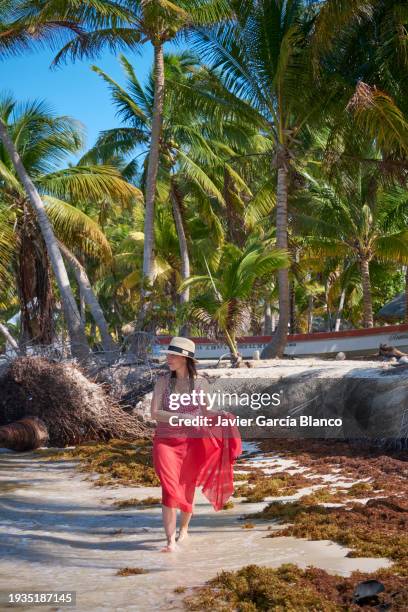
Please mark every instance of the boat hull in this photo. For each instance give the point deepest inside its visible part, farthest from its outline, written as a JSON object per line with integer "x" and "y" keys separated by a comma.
{"x": 354, "y": 343}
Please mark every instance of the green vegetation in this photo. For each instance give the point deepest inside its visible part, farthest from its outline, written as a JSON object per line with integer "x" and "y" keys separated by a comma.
{"x": 263, "y": 170}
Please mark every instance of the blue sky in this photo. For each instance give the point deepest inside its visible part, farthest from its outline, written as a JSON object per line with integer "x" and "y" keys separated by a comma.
{"x": 72, "y": 89}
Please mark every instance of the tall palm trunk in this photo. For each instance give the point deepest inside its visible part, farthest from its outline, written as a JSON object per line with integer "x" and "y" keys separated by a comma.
{"x": 176, "y": 200}
{"x": 340, "y": 310}
{"x": 406, "y": 296}
{"x": 78, "y": 341}
{"x": 292, "y": 308}
{"x": 90, "y": 299}
{"x": 310, "y": 314}
{"x": 276, "y": 347}
{"x": 233, "y": 217}
{"x": 151, "y": 179}
{"x": 185, "y": 260}
{"x": 267, "y": 319}
{"x": 327, "y": 307}
{"x": 367, "y": 299}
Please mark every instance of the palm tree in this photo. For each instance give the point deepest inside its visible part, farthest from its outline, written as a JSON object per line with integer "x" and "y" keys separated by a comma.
{"x": 158, "y": 22}
{"x": 297, "y": 64}
{"x": 19, "y": 32}
{"x": 93, "y": 26}
{"x": 222, "y": 306}
{"x": 358, "y": 219}
{"x": 194, "y": 146}
{"x": 266, "y": 60}
{"x": 44, "y": 141}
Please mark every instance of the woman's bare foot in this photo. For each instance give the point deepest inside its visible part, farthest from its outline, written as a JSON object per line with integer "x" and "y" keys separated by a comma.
{"x": 170, "y": 547}
{"x": 183, "y": 535}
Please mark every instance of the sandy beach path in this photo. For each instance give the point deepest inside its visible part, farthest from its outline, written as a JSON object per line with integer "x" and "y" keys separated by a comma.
{"x": 59, "y": 532}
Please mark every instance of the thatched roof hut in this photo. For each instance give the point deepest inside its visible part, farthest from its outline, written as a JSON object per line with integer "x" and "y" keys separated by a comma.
{"x": 394, "y": 310}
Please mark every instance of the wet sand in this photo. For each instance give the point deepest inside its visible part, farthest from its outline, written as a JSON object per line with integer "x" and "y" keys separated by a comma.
{"x": 59, "y": 532}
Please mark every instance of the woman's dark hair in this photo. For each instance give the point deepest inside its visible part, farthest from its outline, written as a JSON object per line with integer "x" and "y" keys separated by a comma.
{"x": 192, "y": 374}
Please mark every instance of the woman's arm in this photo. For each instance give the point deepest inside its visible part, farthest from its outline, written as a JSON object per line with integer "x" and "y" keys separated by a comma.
{"x": 163, "y": 415}
{"x": 158, "y": 390}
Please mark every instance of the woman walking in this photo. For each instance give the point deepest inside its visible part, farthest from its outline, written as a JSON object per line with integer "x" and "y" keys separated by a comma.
{"x": 186, "y": 457}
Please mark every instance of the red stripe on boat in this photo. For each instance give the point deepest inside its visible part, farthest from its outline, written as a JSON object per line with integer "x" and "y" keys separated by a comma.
{"x": 348, "y": 333}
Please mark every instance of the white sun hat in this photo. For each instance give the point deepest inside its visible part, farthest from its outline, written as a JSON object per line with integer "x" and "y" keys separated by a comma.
{"x": 181, "y": 346}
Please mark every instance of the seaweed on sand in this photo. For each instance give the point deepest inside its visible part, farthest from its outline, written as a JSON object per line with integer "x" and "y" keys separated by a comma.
{"x": 377, "y": 528}
{"x": 118, "y": 461}
{"x": 261, "y": 485}
{"x": 130, "y": 503}
{"x": 287, "y": 588}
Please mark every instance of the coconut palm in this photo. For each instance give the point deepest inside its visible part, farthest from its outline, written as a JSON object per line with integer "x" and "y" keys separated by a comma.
{"x": 44, "y": 140}
{"x": 19, "y": 31}
{"x": 194, "y": 150}
{"x": 266, "y": 61}
{"x": 281, "y": 58}
{"x": 355, "y": 218}
{"x": 25, "y": 23}
{"x": 156, "y": 21}
{"x": 222, "y": 306}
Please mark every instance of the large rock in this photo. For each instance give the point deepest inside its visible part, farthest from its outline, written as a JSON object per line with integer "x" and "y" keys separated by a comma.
{"x": 371, "y": 398}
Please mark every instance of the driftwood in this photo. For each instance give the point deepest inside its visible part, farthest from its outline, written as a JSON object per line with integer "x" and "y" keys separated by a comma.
{"x": 27, "y": 434}
{"x": 73, "y": 408}
{"x": 388, "y": 351}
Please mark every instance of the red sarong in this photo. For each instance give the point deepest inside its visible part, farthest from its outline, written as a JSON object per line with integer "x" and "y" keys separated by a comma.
{"x": 184, "y": 463}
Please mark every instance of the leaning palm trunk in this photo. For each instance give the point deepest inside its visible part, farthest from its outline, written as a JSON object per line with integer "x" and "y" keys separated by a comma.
{"x": 151, "y": 180}
{"x": 90, "y": 299}
{"x": 82, "y": 305}
{"x": 9, "y": 338}
{"x": 79, "y": 344}
{"x": 367, "y": 300}
{"x": 233, "y": 347}
{"x": 277, "y": 346}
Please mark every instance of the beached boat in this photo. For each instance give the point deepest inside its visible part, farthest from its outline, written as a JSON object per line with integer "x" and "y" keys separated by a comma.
{"x": 353, "y": 342}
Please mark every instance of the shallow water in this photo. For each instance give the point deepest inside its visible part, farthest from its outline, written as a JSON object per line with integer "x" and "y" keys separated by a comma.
{"x": 59, "y": 532}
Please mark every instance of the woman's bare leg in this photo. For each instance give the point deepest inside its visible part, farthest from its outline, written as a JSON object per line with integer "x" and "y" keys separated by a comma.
{"x": 170, "y": 525}
{"x": 184, "y": 521}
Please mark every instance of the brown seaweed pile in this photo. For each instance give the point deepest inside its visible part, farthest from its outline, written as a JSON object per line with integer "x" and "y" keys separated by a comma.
{"x": 119, "y": 462}
{"x": 260, "y": 485}
{"x": 288, "y": 589}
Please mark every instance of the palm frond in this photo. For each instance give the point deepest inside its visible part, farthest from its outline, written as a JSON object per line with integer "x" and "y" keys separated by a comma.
{"x": 88, "y": 183}
{"x": 76, "y": 230}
